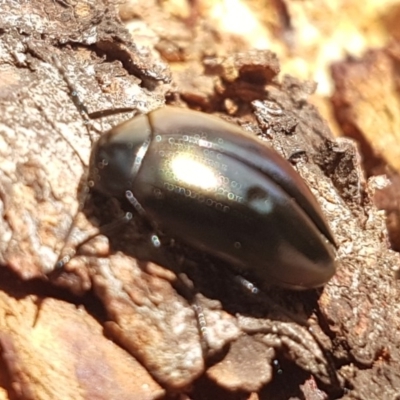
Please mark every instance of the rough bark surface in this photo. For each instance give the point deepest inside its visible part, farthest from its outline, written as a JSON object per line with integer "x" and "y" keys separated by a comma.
{"x": 366, "y": 103}
{"x": 55, "y": 333}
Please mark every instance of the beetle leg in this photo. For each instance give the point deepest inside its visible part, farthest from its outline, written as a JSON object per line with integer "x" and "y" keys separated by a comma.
{"x": 134, "y": 202}
{"x": 201, "y": 323}
{"x": 155, "y": 240}
{"x": 190, "y": 293}
{"x": 247, "y": 285}
{"x": 273, "y": 306}
{"x": 302, "y": 345}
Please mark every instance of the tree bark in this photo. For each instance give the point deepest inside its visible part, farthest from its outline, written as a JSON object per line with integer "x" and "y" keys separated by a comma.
{"x": 53, "y": 332}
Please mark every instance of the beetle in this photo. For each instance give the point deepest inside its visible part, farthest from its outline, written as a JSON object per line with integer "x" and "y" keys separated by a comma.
{"x": 220, "y": 190}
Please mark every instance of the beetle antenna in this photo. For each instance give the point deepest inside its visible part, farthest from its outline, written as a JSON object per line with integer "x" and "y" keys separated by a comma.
{"x": 83, "y": 191}
{"x": 80, "y": 105}
{"x": 69, "y": 250}
{"x": 108, "y": 113}
{"x": 73, "y": 92}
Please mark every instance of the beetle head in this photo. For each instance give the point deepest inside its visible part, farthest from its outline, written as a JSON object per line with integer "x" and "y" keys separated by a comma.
{"x": 117, "y": 156}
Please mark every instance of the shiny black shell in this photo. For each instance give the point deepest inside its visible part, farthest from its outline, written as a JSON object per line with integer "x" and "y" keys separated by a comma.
{"x": 222, "y": 191}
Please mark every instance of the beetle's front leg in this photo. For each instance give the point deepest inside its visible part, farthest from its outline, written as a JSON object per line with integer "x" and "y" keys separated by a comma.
{"x": 72, "y": 244}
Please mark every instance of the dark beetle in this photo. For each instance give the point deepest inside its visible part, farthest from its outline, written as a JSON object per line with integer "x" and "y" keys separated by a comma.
{"x": 220, "y": 190}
